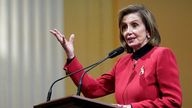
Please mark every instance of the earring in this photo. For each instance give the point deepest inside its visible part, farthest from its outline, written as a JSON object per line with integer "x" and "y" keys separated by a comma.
{"x": 148, "y": 37}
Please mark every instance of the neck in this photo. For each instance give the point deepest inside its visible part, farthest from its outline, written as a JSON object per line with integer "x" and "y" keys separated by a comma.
{"x": 142, "y": 51}
{"x": 145, "y": 41}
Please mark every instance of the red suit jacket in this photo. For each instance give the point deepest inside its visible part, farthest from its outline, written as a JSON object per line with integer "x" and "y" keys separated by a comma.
{"x": 149, "y": 81}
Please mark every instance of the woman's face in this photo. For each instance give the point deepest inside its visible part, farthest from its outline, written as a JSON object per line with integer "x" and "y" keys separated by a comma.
{"x": 134, "y": 31}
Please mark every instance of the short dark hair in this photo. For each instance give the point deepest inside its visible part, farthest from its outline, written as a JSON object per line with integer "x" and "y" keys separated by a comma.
{"x": 148, "y": 20}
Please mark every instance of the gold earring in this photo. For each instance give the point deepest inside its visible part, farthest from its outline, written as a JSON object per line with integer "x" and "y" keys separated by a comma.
{"x": 148, "y": 37}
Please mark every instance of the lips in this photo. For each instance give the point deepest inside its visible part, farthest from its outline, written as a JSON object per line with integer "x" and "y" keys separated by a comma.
{"x": 130, "y": 39}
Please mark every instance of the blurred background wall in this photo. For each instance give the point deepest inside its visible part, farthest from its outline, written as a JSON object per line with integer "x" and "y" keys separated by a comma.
{"x": 95, "y": 24}
{"x": 31, "y": 59}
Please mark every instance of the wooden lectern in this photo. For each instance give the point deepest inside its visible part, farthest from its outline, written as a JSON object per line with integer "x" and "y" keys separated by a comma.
{"x": 74, "y": 102}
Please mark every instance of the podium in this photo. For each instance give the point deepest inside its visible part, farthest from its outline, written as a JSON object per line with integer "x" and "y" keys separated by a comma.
{"x": 74, "y": 102}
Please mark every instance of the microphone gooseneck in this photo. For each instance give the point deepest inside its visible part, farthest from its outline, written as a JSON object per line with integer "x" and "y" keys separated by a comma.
{"x": 50, "y": 89}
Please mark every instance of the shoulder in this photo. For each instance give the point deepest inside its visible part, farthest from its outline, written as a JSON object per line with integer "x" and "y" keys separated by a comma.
{"x": 164, "y": 54}
{"x": 162, "y": 51}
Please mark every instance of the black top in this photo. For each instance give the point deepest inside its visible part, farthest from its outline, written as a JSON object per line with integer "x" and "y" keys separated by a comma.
{"x": 142, "y": 51}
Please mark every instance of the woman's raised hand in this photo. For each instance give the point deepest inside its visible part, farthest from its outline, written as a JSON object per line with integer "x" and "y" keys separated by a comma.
{"x": 66, "y": 44}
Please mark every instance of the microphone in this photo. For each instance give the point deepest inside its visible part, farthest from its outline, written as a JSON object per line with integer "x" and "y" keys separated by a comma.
{"x": 112, "y": 54}
{"x": 116, "y": 52}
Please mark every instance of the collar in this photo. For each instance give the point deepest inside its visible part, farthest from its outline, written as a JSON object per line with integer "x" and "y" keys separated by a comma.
{"x": 142, "y": 51}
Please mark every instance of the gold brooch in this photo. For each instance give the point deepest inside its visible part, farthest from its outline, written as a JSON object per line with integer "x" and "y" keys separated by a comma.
{"x": 142, "y": 70}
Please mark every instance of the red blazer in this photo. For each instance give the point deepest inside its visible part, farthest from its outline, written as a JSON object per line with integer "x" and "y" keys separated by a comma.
{"x": 151, "y": 81}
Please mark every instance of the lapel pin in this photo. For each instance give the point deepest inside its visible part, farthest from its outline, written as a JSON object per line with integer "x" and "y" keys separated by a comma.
{"x": 142, "y": 70}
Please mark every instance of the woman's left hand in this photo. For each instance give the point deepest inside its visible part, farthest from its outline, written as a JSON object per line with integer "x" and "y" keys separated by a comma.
{"x": 122, "y": 106}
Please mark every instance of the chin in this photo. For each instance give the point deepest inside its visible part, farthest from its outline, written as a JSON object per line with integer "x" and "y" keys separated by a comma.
{"x": 134, "y": 46}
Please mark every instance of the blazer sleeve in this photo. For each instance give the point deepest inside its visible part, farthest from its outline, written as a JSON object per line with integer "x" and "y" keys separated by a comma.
{"x": 91, "y": 88}
{"x": 167, "y": 74}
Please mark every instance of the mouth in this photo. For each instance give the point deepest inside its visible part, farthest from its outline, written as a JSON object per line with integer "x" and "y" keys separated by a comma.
{"x": 130, "y": 39}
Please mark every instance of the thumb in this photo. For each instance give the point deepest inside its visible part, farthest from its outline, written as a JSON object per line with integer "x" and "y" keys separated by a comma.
{"x": 71, "y": 39}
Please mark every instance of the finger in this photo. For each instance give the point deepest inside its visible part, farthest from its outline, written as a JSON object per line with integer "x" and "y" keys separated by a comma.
{"x": 64, "y": 40}
{"x": 57, "y": 34}
{"x": 52, "y": 32}
{"x": 71, "y": 39}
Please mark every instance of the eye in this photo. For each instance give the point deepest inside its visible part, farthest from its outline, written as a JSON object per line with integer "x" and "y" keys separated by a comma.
{"x": 134, "y": 25}
{"x": 123, "y": 27}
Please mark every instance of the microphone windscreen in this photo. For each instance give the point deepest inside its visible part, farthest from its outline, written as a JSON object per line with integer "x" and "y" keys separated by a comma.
{"x": 116, "y": 52}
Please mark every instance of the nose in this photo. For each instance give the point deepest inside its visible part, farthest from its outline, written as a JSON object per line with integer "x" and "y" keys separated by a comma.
{"x": 129, "y": 31}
